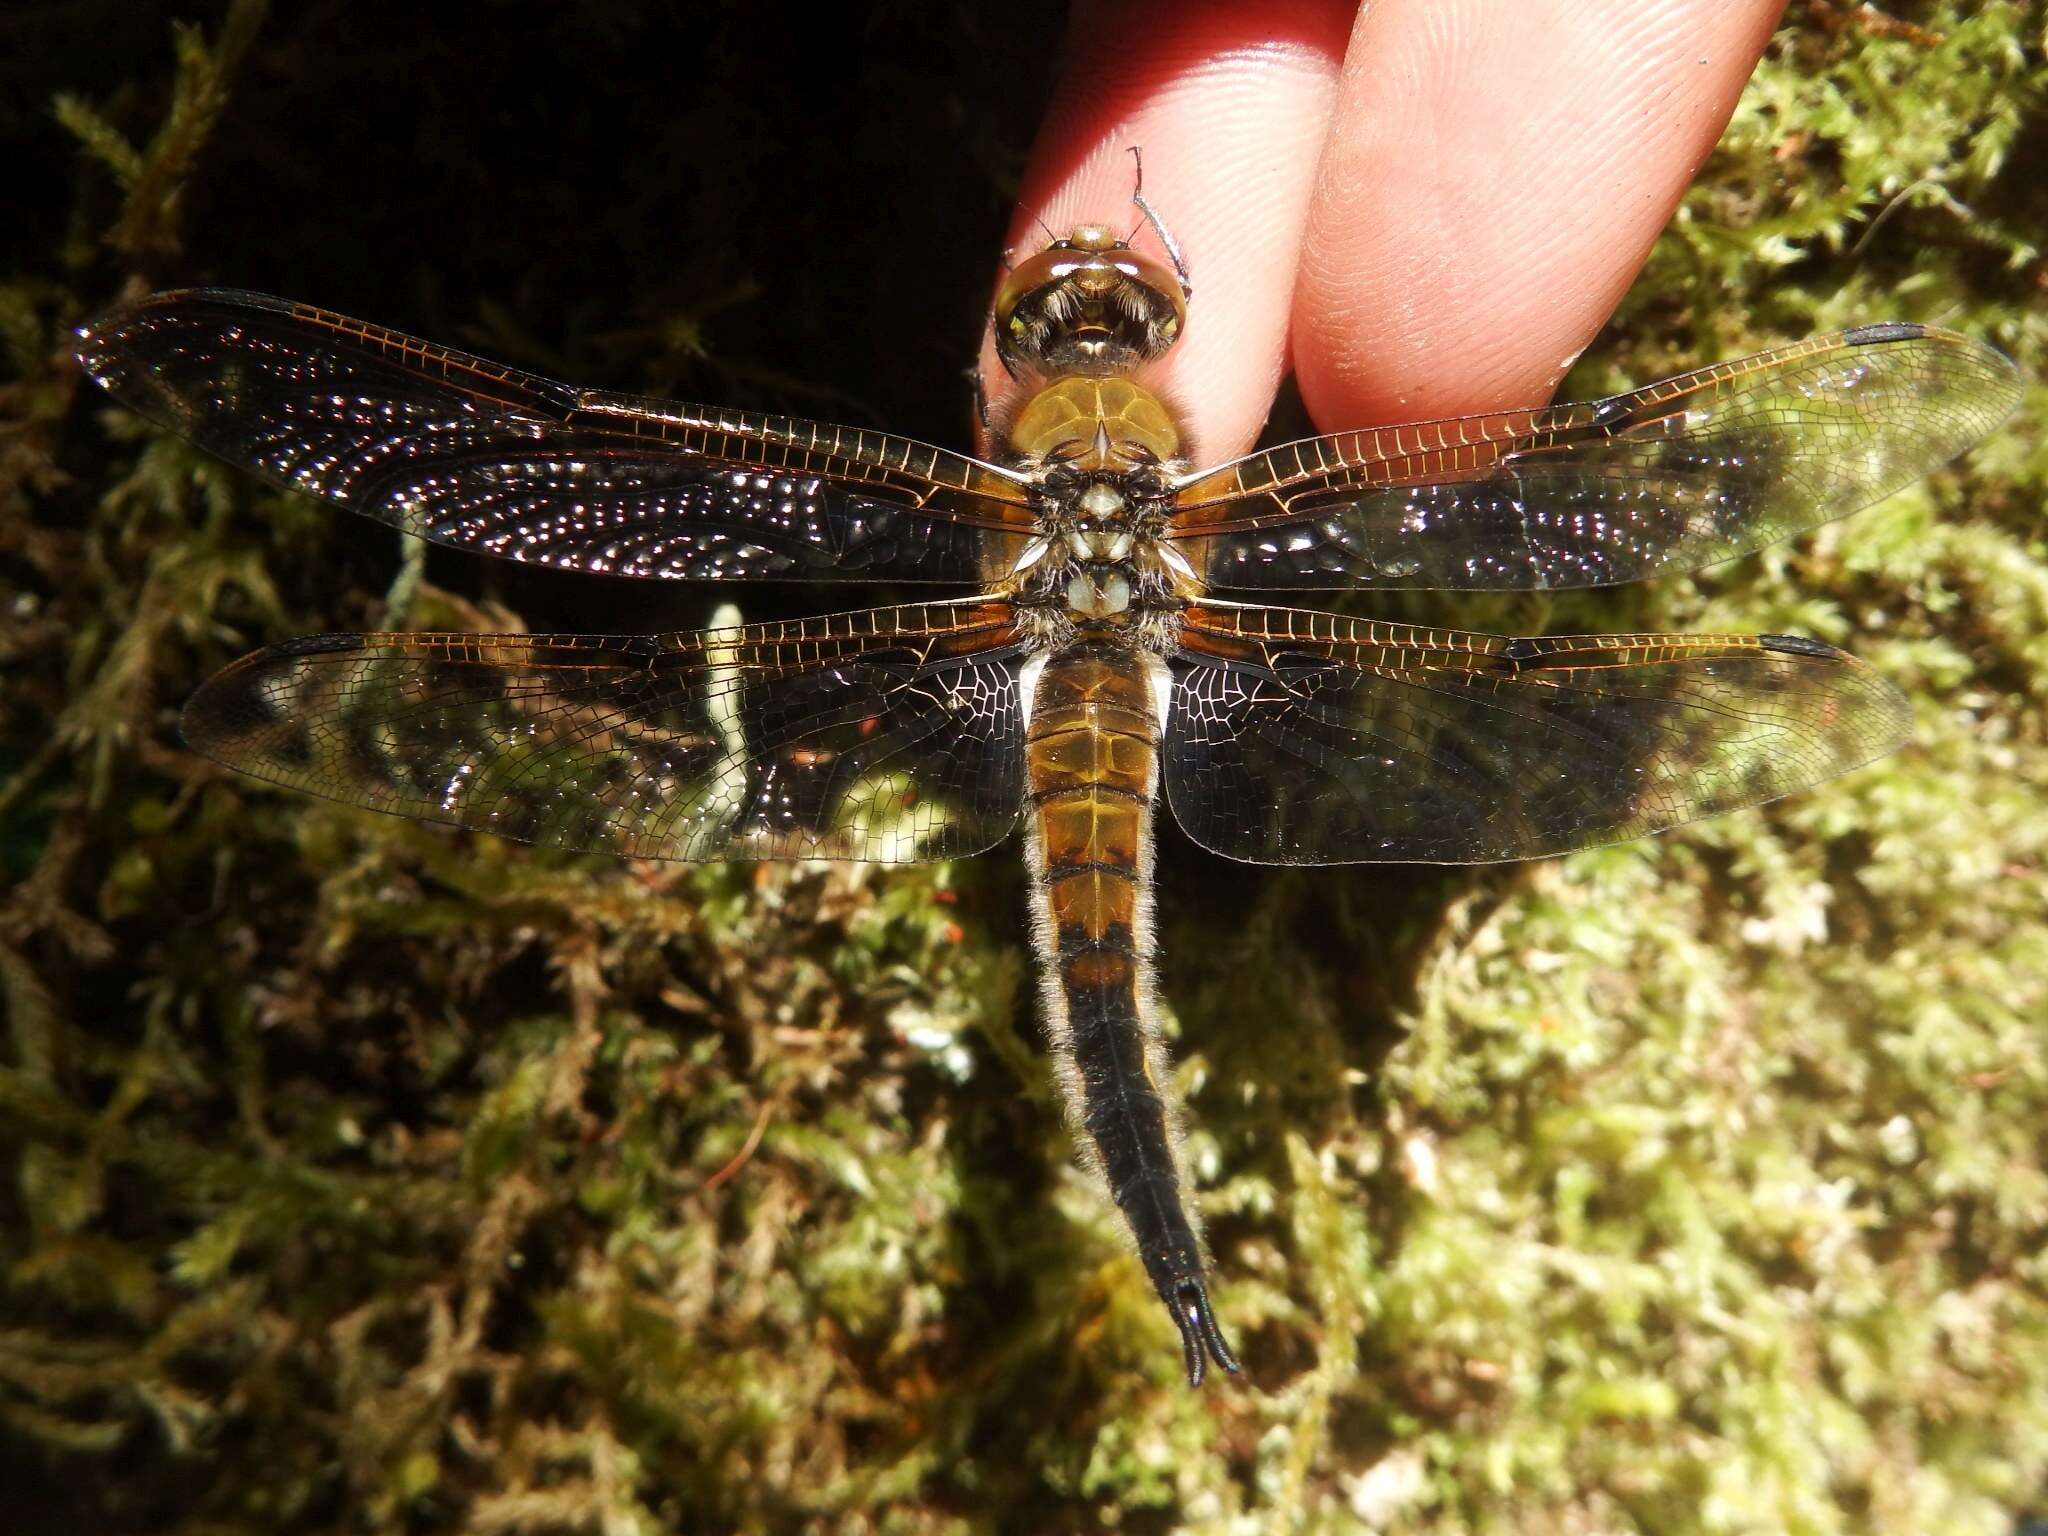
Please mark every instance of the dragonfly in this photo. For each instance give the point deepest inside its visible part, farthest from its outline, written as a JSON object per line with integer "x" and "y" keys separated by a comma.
{"x": 1088, "y": 671}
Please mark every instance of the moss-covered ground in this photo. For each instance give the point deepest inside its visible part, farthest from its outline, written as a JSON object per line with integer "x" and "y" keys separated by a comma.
{"x": 358, "y": 1177}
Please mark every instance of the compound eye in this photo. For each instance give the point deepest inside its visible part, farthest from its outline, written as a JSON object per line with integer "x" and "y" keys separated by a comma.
{"x": 1161, "y": 280}
{"x": 1026, "y": 278}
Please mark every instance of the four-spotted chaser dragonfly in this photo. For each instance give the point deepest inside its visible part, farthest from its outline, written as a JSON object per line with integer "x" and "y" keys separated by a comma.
{"x": 1093, "y": 672}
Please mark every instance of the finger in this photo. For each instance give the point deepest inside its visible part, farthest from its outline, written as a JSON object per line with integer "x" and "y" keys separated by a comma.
{"x": 1494, "y": 177}
{"x": 1229, "y": 105}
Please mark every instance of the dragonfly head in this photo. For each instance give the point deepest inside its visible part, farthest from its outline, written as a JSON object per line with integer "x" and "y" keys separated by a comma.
{"x": 1087, "y": 304}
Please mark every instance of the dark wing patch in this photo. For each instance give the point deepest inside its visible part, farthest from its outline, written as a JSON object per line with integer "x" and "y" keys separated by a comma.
{"x": 1305, "y": 738}
{"x": 480, "y": 456}
{"x": 893, "y": 735}
{"x": 1677, "y": 475}
{"x": 1796, "y": 645}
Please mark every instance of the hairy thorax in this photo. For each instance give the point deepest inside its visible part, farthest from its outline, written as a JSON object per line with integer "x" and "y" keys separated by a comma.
{"x": 1073, "y": 324}
{"x": 1103, "y": 453}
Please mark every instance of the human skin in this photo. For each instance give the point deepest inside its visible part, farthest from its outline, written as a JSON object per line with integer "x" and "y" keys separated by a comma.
{"x": 1422, "y": 207}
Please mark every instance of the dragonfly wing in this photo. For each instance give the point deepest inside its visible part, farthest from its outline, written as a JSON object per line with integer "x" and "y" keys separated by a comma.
{"x": 483, "y": 457}
{"x": 893, "y": 735}
{"x": 1306, "y": 738}
{"x": 1671, "y": 477}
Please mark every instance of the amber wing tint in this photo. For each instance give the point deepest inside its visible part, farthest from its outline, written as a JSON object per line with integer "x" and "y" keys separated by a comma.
{"x": 1296, "y": 737}
{"x": 484, "y": 457}
{"x": 893, "y": 735}
{"x": 1673, "y": 476}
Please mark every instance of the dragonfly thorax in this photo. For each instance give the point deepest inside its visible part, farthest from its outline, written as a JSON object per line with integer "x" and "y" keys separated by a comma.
{"x": 1100, "y": 557}
{"x": 1099, "y": 543}
{"x": 1102, "y": 530}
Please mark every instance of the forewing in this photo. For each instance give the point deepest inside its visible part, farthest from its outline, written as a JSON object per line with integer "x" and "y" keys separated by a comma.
{"x": 893, "y": 735}
{"x": 1675, "y": 476}
{"x": 470, "y": 453}
{"x": 1306, "y": 738}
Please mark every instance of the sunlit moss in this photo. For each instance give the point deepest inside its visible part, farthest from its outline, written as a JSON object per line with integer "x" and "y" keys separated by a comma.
{"x": 361, "y": 1176}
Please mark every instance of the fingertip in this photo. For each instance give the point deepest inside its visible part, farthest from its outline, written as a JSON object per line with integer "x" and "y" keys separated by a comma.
{"x": 1229, "y": 105}
{"x": 1493, "y": 180}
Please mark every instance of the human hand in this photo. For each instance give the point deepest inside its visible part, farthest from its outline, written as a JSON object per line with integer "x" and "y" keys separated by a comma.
{"x": 1423, "y": 207}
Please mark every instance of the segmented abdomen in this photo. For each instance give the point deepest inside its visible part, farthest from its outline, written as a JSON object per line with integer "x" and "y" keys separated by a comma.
{"x": 1094, "y": 769}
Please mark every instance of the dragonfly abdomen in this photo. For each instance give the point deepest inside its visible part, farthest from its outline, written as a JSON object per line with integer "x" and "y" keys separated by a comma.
{"x": 1093, "y": 755}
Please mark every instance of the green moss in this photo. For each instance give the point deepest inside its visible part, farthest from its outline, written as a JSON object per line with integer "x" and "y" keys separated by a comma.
{"x": 362, "y": 1177}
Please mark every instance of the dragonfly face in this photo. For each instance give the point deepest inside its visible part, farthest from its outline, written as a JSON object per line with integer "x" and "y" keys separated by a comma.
{"x": 1092, "y": 673}
{"x": 1087, "y": 304}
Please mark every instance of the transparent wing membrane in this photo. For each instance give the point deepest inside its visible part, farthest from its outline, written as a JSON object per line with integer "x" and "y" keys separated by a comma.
{"x": 1671, "y": 477}
{"x": 893, "y": 735}
{"x": 480, "y": 456}
{"x": 1297, "y": 737}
